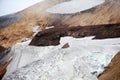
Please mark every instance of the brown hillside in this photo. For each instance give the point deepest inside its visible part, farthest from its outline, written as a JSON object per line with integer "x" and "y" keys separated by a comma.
{"x": 113, "y": 70}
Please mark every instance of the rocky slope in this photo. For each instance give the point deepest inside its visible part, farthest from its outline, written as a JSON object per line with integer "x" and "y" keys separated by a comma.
{"x": 106, "y": 13}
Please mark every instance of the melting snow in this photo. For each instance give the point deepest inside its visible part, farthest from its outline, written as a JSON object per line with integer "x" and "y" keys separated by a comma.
{"x": 12, "y": 6}
{"x": 74, "y": 6}
{"x": 83, "y": 60}
{"x": 49, "y": 27}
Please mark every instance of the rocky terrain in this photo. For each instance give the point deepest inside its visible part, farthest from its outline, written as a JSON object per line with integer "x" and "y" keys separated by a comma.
{"x": 39, "y": 30}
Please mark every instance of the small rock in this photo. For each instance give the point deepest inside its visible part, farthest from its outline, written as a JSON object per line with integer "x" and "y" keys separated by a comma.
{"x": 66, "y": 45}
{"x": 1, "y": 49}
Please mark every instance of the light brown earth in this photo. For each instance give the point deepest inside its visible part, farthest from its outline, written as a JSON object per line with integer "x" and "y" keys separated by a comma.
{"x": 113, "y": 70}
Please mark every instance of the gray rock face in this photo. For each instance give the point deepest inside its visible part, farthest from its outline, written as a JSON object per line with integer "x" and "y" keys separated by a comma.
{"x": 9, "y": 19}
{"x": 5, "y": 55}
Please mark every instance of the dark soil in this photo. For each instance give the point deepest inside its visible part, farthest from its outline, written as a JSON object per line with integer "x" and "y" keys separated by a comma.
{"x": 2, "y": 49}
{"x": 52, "y": 36}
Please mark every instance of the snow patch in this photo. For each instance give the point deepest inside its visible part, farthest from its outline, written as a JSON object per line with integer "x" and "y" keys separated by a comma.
{"x": 83, "y": 60}
{"x": 49, "y": 27}
{"x": 74, "y": 6}
{"x": 37, "y": 29}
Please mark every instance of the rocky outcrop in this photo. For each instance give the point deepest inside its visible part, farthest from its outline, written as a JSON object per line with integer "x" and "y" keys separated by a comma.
{"x": 65, "y": 45}
{"x": 52, "y": 36}
{"x": 113, "y": 70}
{"x": 4, "y": 56}
{"x": 2, "y": 49}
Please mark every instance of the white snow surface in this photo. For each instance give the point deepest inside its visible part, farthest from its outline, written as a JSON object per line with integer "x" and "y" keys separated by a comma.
{"x": 77, "y": 62}
{"x": 49, "y": 27}
{"x": 37, "y": 29}
{"x": 12, "y": 6}
{"x": 74, "y": 6}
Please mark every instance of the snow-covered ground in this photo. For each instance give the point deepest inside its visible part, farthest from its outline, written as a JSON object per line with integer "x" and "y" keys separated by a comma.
{"x": 74, "y": 6}
{"x": 83, "y": 60}
{"x": 12, "y": 6}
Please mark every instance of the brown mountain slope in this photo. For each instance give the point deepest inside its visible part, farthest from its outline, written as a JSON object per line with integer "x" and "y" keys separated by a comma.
{"x": 105, "y": 13}
{"x": 113, "y": 70}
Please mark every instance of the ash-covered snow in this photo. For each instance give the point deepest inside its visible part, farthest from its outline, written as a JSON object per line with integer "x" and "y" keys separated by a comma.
{"x": 74, "y": 6}
{"x": 83, "y": 60}
{"x": 12, "y": 6}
